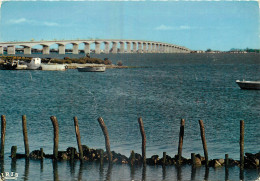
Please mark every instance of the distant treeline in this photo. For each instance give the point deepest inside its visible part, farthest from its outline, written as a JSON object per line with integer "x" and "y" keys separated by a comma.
{"x": 249, "y": 50}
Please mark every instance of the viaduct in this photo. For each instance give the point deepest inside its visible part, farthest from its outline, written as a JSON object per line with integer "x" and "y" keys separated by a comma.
{"x": 110, "y": 46}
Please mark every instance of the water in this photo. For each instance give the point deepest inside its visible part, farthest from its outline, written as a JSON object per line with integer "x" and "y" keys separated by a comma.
{"x": 168, "y": 88}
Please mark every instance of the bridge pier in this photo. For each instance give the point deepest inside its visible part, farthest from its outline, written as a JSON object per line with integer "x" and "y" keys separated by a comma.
{"x": 27, "y": 50}
{"x": 114, "y": 47}
{"x": 11, "y": 50}
{"x": 97, "y": 47}
{"x": 87, "y": 48}
{"x": 1, "y": 50}
{"x": 45, "y": 49}
{"x": 149, "y": 48}
{"x": 140, "y": 48}
{"x": 122, "y": 47}
{"x": 144, "y": 48}
{"x": 106, "y": 47}
{"x": 61, "y": 49}
{"x": 134, "y": 47}
{"x": 128, "y": 45}
{"x": 75, "y": 48}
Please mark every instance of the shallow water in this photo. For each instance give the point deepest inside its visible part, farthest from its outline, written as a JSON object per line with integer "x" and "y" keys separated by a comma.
{"x": 168, "y": 88}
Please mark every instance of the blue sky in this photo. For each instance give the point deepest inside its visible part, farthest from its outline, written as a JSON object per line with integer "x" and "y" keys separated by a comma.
{"x": 200, "y": 25}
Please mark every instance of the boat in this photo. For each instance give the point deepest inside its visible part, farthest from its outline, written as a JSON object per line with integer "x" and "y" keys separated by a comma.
{"x": 250, "y": 85}
{"x": 34, "y": 64}
{"x": 14, "y": 65}
{"x": 95, "y": 68}
{"x": 53, "y": 67}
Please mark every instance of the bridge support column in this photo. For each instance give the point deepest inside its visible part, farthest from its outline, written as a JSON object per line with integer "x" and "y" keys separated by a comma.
{"x": 157, "y": 48}
{"x": 27, "y": 50}
{"x": 61, "y": 49}
{"x": 11, "y": 50}
{"x": 128, "y": 45}
{"x": 97, "y": 47}
{"x": 134, "y": 47}
{"x": 140, "y": 48}
{"x": 149, "y": 48}
{"x": 45, "y": 49}
{"x": 106, "y": 47}
{"x": 87, "y": 48}
{"x": 144, "y": 47}
{"x": 75, "y": 49}
{"x": 1, "y": 50}
{"x": 114, "y": 47}
{"x": 153, "y": 48}
{"x": 122, "y": 47}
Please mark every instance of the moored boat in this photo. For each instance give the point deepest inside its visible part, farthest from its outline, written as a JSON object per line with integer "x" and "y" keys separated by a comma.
{"x": 96, "y": 68}
{"x": 250, "y": 85}
{"x": 53, "y": 67}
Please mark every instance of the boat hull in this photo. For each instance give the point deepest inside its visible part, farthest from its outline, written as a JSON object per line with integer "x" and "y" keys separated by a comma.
{"x": 54, "y": 67}
{"x": 92, "y": 69}
{"x": 249, "y": 85}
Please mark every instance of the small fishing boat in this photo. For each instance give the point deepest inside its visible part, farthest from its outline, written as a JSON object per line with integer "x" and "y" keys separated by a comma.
{"x": 95, "y": 68}
{"x": 250, "y": 85}
{"x": 53, "y": 67}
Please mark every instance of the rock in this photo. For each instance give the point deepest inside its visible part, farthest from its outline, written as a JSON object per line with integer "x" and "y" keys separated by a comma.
{"x": 197, "y": 161}
{"x": 36, "y": 154}
{"x": 217, "y": 163}
{"x": 221, "y": 161}
{"x": 257, "y": 162}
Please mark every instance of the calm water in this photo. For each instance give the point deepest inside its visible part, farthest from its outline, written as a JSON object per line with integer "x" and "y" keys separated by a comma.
{"x": 168, "y": 88}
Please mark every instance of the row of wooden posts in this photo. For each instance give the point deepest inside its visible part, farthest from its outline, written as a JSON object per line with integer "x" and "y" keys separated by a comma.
{"x": 107, "y": 143}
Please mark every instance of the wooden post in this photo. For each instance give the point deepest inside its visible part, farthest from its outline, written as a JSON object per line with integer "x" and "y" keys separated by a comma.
{"x": 193, "y": 159}
{"x": 242, "y": 131}
{"x": 13, "y": 152}
{"x": 3, "y": 128}
{"x": 202, "y": 132}
{"x": 164, "y": 158}
{"x": 41, "y": 153}
{"x": 226, "y": 167}
{"x": 76, "y": 124}
{"x": 226, "y": 160}
{"x": 55, "y": 136}
{"x": 141, "y": 125}
{"x": 101, "y": 152}
{"x": 181, "y": 135}
{"x": 25, "y": 137}
{"x": 132, "y": 159}
{"x": 105, "y": 132}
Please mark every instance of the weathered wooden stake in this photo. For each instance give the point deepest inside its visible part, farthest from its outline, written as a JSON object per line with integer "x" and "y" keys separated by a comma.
{"x": 105, "y": 132}
{"x": 164, "y": 158}
{"x": 55, "y": 136}
{"x": 141, "y": 125}
{"x": 13, "y": 152}
{"x": 25, "y": 137}
{"x": 3, "y": 128}
{"x": 181, "y": 135}
{"x": 41, "y": 153}
{"x": 202, "y": 132}
{"x": 193, "y": 159}
{"x": 242, "y": 132}
{"x": 76, "y": 124}
{"x": 72, "y": 154}
{"x": 226, "y": 160}
{"x": 132, "y": 159}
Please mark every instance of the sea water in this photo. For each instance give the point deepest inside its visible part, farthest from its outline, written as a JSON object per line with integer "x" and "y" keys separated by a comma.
{"x": 162, "y": 89}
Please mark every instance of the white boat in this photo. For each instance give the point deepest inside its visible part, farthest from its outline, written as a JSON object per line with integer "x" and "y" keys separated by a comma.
{"x": 96, "y": 68}
{"x": 34, "y": 64}
{"x": 53, "y": 67}
{"x": 251, "y": 85}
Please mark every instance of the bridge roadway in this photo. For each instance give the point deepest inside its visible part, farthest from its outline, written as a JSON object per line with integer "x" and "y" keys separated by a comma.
{"x": 118, "y": 46}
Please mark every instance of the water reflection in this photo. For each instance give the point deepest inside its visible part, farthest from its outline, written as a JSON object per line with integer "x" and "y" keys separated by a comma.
{"x": 163, "y": 172}
{"x": 206, "y": 176}
{"x": 55, "y": 170}
{"x": 193, "y": 172}
{"x": 26, "y": 169}
{"x": 109, "y": 171}
{"x": 178, "y": 170}
{"x": 144, "y": 173}
{"x": 241, "y": 174}
{"x": 80, "y": 171}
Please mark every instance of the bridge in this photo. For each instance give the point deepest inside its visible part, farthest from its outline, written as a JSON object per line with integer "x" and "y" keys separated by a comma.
{"x": 110, "y": 46}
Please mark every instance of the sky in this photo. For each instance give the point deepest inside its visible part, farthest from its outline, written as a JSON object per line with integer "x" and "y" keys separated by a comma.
{"x": 197, "y": 25}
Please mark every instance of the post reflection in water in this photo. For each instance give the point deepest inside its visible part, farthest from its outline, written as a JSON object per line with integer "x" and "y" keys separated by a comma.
{"x": 2, "y": 166}
{"x": 206, "y": 177}
{"x": 72, "y": 168}
{"x": 163, "y": 172}
{"x": 109, "y": 171}
{"x": 132, "y": 173}
{"x": 55, "y": 170}
{"x": 226, "y": 173}
{"x": 101, "y": 171}
{"x": 80, "y": 171}
{"x": 144, "y": 173}
{"x": 41, "y": 165}
{"x": 179, "y": 170}
{"x": 241, "y": 174}
{"x": 193, "y": 172}
{"x": 26, "y": 169}
{"x": 13, "y": 166}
